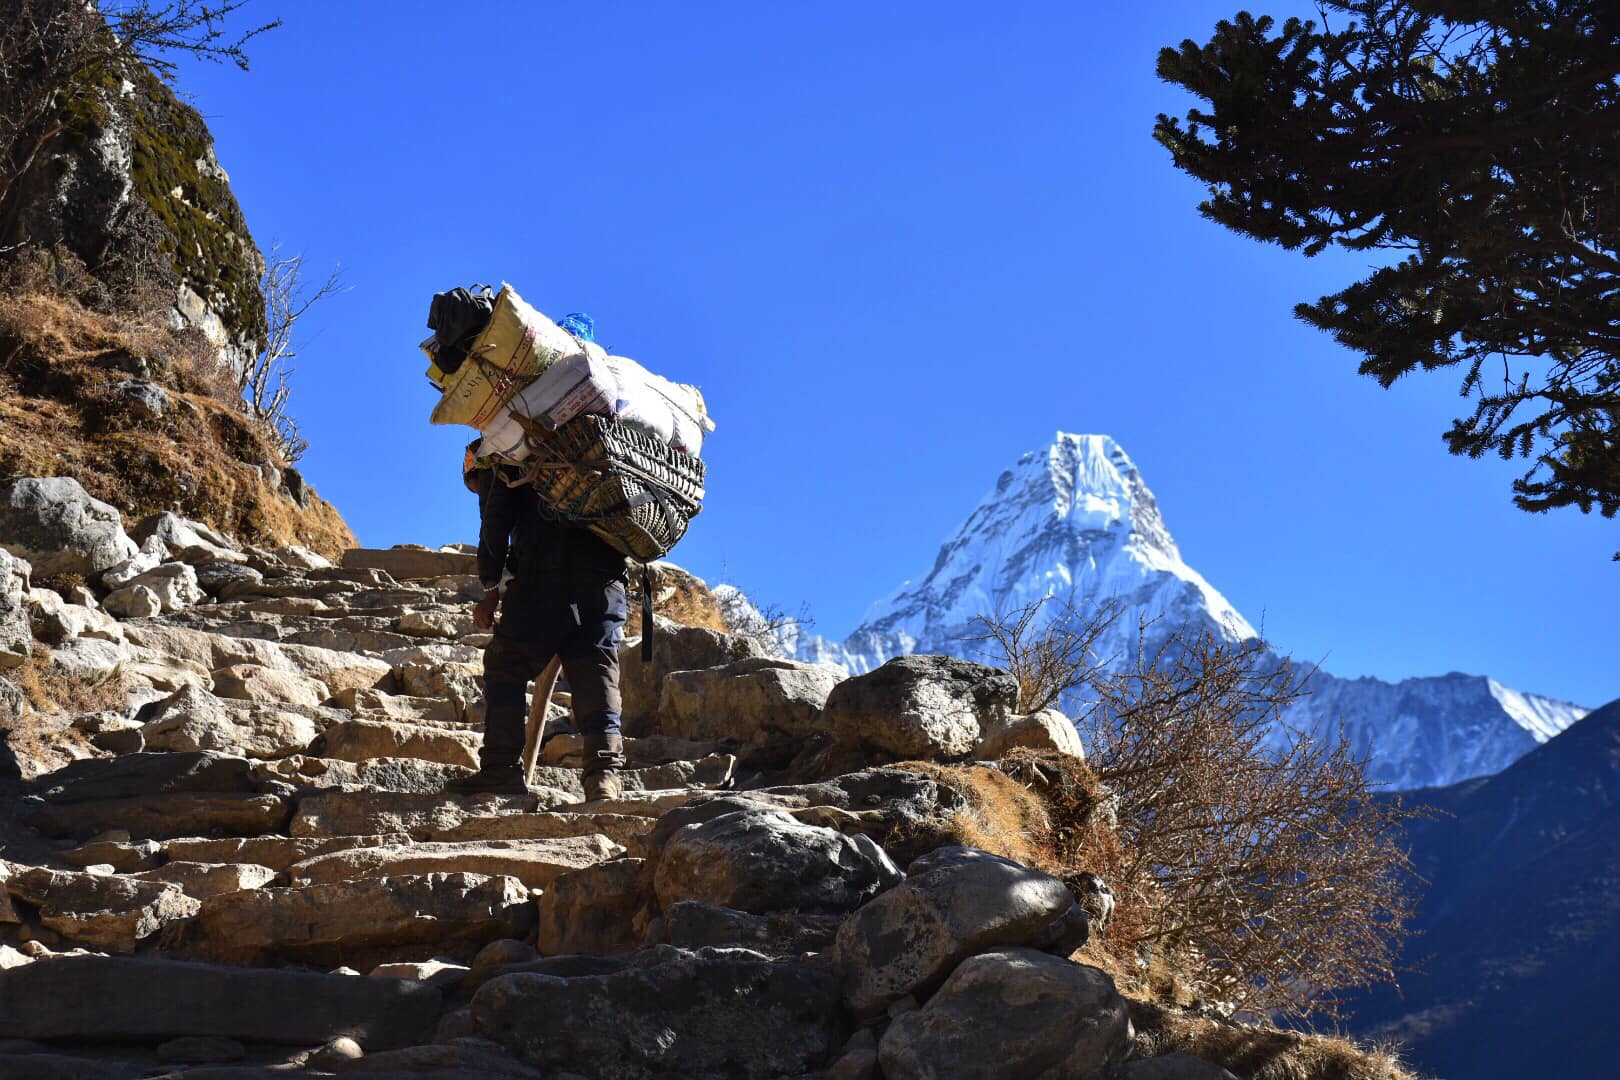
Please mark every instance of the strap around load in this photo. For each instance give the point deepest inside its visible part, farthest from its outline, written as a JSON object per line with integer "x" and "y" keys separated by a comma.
{"x": 646, "y": 614}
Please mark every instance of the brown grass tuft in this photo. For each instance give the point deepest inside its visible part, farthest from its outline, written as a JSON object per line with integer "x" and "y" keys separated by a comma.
{"x": 1261, "y": 1053}
{"x": 43, "y": 738}
{"x": 999, "y": 814}
{"x": 204, "y": 459}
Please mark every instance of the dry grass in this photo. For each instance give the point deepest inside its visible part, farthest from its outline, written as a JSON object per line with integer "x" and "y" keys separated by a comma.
{"x": 43, "y": 739}
{"x": 999, "y": 815}
{"x": 1261, "y": 1053}
{"x": 684, "y": 598}
{"x": 59, "y": 416}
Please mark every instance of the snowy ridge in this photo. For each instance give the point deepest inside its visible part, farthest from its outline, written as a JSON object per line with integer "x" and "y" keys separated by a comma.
{"x": 1076, "y": 522}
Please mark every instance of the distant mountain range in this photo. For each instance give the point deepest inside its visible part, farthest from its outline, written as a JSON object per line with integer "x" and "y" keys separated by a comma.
{"x": 1518, "y": 932}
{"x": 1077, "y": 521}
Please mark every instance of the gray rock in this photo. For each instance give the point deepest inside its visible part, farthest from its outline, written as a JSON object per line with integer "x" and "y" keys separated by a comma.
{"x": 143, "y": 399}
{"x": 178, "y": 533}
{"x": 59, "y": 528}
{"x": 193, "y": 719}
{"x": 344, "y": 917}
{"x": 98, "y": 997}
{"x": 134, "y": 602}
{"x": 675, "y": 648}
{"x": 1048, "y": 729}
{"x": 1175, "y": 1067}
{"x": 174, "y": 584}
{"x": 156, "y": 796}
{"x": 461, "y": 1058}
{"x": 410, "y": 563}
{"x": 335, "y": 1052}
{"x": 747, "y": 698}
{"x": 1096, "y": 900}
{"x": 921, "y": 706}
{"x": 716, "y": 1013}
{"x": 691, "y": 924}
{"x": 591, "y": 911}
{"x": 201, "y": 1050}
{"x": 16, "y": 632}
{"x": 1016, "y": 1012}
{"x": 113, "y": 914}
{"x": 764, "y": 860}
{"x": 214, "y": 578}
{"x": 953, "y": 903}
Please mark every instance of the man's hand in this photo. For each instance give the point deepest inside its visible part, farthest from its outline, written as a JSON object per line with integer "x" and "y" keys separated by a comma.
{"x": 484, "y": 612}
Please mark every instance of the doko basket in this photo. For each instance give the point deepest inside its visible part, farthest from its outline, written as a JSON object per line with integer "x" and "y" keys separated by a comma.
{"x": 634, "y": 491}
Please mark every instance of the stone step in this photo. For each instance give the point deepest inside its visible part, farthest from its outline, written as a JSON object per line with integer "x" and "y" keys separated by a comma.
{"x": 349, "y": 920}
{"x": 626, "y": 829}
{"x": 111, "y": 998}
{"x": 362, "y": 812}
{"x": 536, "y": 863}
{"x": 404, "y": 564}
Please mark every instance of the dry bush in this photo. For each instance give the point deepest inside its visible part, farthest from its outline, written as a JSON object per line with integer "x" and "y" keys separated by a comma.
{"x": 1276, "y": 875}
{"x": 1260, "y": 1053}
{"x": 765, "y": 624}
{"x": 1264, "y": 880}
{"x": 1051, "y": 657}
{"x": 43, "y": 737}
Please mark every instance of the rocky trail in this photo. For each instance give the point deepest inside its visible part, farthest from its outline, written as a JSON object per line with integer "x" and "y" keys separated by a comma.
{"x": 249, "y": 871}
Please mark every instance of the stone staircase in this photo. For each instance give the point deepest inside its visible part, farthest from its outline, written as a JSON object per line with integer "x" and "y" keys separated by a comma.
{"x": 254, "y": 873}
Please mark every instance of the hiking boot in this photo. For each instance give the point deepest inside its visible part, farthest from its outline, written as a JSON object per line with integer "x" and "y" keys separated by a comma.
{"x": 497, "y": 780}
{"x": 602, "y": 785}
{"x": 604, "y": 754}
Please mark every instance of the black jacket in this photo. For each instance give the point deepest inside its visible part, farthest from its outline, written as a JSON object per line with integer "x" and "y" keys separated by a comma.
{"x": 515, "y": 535}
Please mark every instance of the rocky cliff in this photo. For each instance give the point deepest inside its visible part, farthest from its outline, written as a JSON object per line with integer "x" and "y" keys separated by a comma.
{"x": 130, "y": 185}
{"x": 225, "y": 842}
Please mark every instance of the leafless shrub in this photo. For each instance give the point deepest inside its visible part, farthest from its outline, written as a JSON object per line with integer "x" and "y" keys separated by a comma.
{"x": 264, "y": 380}
{"x": 1275, "y": 873}
{"x": 1262, "y": 870}
{"x": 56, "y": 56}
{"x": 1051, "y": 658}
{"x": 767, "y": 625}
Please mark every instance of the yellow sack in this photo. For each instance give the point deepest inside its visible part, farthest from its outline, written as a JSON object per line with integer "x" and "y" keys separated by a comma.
{"x": 517, "y": 345}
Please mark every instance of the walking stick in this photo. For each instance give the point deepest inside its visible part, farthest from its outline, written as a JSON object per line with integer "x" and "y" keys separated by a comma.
{"x": 535, "y": 733}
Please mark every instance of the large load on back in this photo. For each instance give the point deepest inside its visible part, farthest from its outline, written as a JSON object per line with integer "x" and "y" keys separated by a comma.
{"x": 604, "y": 441}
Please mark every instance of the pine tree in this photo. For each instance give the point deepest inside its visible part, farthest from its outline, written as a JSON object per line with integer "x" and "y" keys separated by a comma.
{"x": 1477, "y": 142}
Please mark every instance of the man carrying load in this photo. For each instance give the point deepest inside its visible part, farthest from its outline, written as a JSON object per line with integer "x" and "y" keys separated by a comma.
{"x": 592, "y": 458}
{"x": 565, "y": 598}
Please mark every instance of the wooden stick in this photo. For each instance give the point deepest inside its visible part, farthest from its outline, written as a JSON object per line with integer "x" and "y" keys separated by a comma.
{"x": 538, "y": 708}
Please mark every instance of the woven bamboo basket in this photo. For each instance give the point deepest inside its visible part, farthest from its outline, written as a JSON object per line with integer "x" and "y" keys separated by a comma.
{"x": 634, "y": 491}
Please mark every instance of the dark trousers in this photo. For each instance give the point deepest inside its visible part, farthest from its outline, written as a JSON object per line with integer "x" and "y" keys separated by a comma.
{"x": 536, "y": 624}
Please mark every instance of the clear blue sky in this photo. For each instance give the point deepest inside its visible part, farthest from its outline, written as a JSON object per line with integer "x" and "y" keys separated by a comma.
{"x": 896, "y": 248}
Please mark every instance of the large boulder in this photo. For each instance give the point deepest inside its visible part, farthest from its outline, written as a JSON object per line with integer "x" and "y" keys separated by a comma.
{"x": 765, "y": 860}
{"x": 1048, "y": 729}
{"x": 55, "y": 621}
{"x": 193, "y": 719}
{"x": 60, "y": 529}
{"x": 954, "y": 902}
{"x": 124, "y": 998}
{"x": 921, "y": 706}
{"x": 173, "y": 583}
{"x": 590, "y": 911}
{"x": 109, "y": 913}
{"x": 744, "y": 699}
{"x": 16, "y": 632}
{"x": 692, "y": 924}
{"x": 675, "y": 648}
{"x": 267, "y": 686}
{"x": 343, "y": 917}
{"x": 1016, "y": 1012}
{"x": 714, "y": 1013}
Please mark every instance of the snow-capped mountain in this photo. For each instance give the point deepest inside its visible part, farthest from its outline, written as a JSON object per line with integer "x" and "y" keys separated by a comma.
{"x": 1076, "y": 522}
